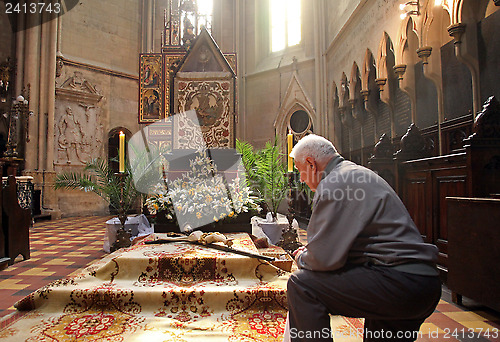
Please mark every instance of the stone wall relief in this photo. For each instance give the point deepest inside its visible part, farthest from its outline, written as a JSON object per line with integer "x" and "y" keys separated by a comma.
{"x": 79, "y": 134}
{"x": 79, "y": 130}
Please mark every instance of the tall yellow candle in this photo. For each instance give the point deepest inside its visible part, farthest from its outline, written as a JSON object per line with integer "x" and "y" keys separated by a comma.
{"x": 290, "y": 146}
{"x": 122, "y": 153}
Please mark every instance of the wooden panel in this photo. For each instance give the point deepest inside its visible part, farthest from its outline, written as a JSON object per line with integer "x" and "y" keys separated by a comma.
{"x": 425, "y": 183}
{"x": 474, "y": 252}
{"x": 454, "y": 131}
{"x": 415, "y": 197}
{"x": 150, "y": 88}
{"x": 446, "y": 183}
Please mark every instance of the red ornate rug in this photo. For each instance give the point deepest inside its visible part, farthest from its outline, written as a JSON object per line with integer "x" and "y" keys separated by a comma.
{"x": 169, "y": 292}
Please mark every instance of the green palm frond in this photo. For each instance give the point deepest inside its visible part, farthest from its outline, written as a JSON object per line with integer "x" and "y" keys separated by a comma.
{"x": 265, "y": 172}
{"x": 98, "y": 177}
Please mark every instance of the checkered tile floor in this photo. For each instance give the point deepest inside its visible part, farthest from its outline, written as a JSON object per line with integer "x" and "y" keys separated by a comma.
{"x": 60, "y": 247}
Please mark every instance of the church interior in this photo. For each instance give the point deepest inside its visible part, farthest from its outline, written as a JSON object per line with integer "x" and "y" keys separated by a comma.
{"x": 408, "y": 89}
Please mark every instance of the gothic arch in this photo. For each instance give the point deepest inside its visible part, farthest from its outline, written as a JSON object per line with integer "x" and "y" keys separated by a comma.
{"x": 369, "y": 71}
{"x": 472, "y": 10}
{"x": 295, "y": 99}
{"x": 384, "y": 46}
{"x": 385, "y": 68}
{"x": 344, "y": 92}
{"x": 402, "y": 43}
{"x": 369, "y": 91}
{"x": 355, "y": 82}
{"x": 335, "y": 116}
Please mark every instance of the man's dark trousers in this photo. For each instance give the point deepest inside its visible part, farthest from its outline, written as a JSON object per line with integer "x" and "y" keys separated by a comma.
{"x": 393, "y": 303}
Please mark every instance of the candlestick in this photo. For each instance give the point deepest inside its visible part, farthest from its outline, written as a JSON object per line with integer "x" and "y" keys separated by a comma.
{"x": 122, "y": 235}
{"x": 122, "y": 153}
{"x": 290, "y": 146}
{"x": 290, "y": 238}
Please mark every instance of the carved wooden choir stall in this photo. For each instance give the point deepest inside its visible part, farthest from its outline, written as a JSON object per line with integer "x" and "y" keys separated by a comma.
{"x": 465, "y": 230}
{"x": 15, "y": 223}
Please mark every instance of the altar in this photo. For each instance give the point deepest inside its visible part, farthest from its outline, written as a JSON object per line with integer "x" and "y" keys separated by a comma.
{"x": 174, "y": 291}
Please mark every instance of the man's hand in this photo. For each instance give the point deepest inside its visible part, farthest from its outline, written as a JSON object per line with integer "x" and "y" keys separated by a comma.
{"x": 298, "y": 252}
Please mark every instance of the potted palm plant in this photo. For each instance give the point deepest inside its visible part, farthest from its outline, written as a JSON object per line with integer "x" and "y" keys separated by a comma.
{"x": 265, "y": 173}
{"x": 99, "y": 178}
{"x": 118, "y": 191}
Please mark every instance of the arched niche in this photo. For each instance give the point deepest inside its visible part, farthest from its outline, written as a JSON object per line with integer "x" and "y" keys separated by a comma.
{"x": 345, "y": 115}
{"x": 370, "y": 95}
{"x": 386, "y": 81}
{"x": 489, "y": 52}
{"x": 334, "y": 127}
{"x": 357, "y": 108}
{"x": 113, "y": 145}
{"x": 405, "y": 98}
{"x": 456, "y": 78}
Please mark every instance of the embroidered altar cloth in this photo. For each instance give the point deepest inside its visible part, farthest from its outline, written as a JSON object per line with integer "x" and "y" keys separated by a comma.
{"x": 167, "y": 292}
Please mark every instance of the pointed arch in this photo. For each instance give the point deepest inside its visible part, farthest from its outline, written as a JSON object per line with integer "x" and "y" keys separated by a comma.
{"x": 334, "y": 109}
{"x": 383, "y": 52}
{"x": 296, "y": 98}
{"x": 471, "y": 9}
{"x": 354, "y": 82}
{"x": 344, "y": 91}
{"x": 369, "y": 71}
{"x": 402, "y": 42}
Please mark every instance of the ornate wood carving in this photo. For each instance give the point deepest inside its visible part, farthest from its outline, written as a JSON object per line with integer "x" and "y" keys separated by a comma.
{"x": 382, "y": 161}
{"x": 413, "y": 145}
{"x": 383, "y": 148}
{"x": 16, "y": 222}
{"x": 487, "y": 123}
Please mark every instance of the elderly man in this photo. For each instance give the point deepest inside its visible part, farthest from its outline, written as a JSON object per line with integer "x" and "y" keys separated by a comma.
{"x": 364, "y": 255}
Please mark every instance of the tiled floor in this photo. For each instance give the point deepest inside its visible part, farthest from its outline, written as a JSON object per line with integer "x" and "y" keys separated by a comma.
{"x": 60, "y": 247}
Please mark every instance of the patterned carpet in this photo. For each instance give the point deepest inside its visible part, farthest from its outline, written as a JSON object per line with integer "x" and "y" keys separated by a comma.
{"x": 60, "y": 247}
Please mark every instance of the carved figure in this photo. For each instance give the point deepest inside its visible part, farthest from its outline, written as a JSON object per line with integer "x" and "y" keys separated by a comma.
{"x": 188, "y": 33}
{"x": 70, "y": 135}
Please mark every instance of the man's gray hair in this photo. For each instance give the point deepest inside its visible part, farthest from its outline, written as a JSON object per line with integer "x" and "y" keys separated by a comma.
{"x": 314, "y": 146}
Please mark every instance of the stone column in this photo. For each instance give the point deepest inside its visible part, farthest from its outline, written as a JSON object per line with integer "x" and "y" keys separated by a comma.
{"x": 31, "y": 76}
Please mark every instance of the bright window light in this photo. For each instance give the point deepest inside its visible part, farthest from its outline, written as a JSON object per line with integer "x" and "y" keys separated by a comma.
{"x": 205, "y": 7}
{"x": 285, "y": 23}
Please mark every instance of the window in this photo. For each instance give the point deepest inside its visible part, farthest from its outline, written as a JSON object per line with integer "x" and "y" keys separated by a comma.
{"x": 285, "y": 23}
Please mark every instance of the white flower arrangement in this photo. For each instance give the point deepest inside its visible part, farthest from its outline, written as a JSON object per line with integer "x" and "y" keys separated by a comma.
{"x": 202, "y": 195}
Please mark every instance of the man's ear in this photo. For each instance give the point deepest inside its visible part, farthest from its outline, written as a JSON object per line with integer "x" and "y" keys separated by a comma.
{"x": 311, "y": 162}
